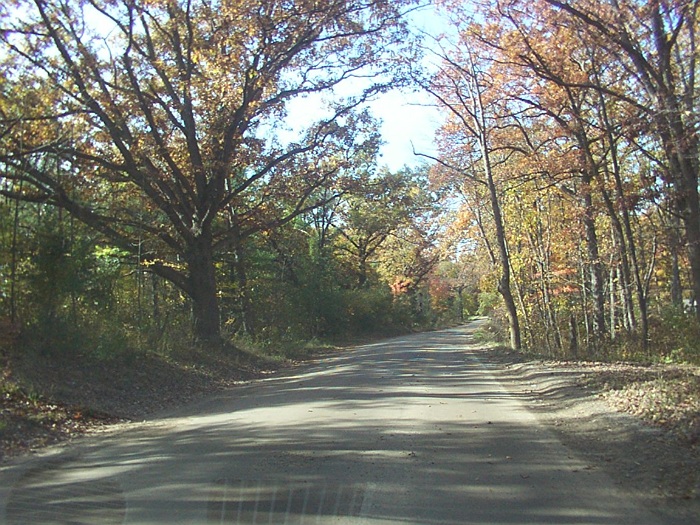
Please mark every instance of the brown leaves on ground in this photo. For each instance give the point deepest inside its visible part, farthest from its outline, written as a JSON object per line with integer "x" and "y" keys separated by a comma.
{"x": 663, "y": 395}
{"x": 28, "y": 423}
{"x": 46, "y": 400}
{"x": 637, "y": 423}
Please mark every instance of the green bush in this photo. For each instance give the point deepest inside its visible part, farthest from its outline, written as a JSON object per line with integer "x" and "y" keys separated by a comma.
{"x": 369, "y": 311}
{"x": 488, "y": 302}
{"x": 675, "y": 337}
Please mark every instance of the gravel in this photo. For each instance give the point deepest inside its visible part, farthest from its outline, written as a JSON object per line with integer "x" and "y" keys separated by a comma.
{"x": 636, "y": 423}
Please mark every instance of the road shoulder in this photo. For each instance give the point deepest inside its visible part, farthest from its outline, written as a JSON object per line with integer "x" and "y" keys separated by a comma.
{"x": 659, "y": 464}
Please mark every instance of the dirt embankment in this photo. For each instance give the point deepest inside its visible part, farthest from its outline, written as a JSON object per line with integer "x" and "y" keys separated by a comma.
{"x": 640, "y": 424}
{"x": 45, "y": 400}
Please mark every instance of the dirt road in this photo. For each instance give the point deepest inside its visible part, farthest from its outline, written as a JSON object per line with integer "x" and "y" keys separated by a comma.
{"x": 413, "y": 430}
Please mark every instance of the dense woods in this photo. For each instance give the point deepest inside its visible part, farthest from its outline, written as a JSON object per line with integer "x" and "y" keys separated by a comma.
{"x": 156, "y": 189}
{"x": 161, "y": 127}
{"x": 571, "y": 145}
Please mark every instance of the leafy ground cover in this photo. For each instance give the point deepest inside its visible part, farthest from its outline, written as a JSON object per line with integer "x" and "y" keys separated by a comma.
{"x": 637, "y": 423}
{"x": 664, "y": 396}
{"x": 667, "y": 396}
{"x": 45, "y": 400}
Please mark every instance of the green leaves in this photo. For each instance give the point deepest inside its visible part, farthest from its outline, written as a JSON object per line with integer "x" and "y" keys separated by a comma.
{"x": 159, "y": 109}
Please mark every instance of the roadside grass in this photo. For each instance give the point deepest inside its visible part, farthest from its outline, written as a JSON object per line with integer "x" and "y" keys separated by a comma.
{"x": 284, "y": 353}
{"x": 47, "y": 398}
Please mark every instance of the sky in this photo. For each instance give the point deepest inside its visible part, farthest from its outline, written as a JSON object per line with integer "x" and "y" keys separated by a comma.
{"x": 409, "y": 119}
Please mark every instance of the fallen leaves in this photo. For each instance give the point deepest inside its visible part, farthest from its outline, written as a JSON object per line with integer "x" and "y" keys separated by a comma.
{"x": 28, "y": 422}
{"x": 45, "y": 400}
{"x": 670, "y": 400}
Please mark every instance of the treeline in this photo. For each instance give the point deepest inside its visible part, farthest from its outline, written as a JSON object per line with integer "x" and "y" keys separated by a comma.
{"x": 157, "y": 183}
{"x": 154, "y": 177}
{"x": 366, "y": 263}
{"x": 572, "y": 147}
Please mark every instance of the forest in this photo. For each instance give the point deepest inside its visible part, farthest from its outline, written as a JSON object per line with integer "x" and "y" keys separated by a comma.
{"x": 156, "y": 193}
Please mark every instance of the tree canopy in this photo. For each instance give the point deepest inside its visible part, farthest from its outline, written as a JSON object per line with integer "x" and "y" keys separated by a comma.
{"x": 150, "y": 150}
{"x": 154, "y": 122}
{"x": 593, "y": 138}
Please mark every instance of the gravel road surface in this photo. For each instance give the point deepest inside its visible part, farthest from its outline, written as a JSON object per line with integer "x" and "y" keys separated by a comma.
{"x": 412, "y": 430}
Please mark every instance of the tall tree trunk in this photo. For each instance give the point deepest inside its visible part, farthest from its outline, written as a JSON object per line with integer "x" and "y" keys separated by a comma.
{"x": 203, "y": 290}
{"x": 363, "y": 266}
{"x": 504, "y": 280}
{"x": 585, "y": 287}
{"x": 245, "y": 301}
{"x": 480, "y": 126}
{"x": 692, "y": 231}
{"x": 469, "y": 107}
{"x": 595, "y": 266}
{"x": 626, "y": 236}
{"x": 14, "y": 262}
{"x": 589, "y": 171}
{"x": 627, "y": 250}
{"x": 519, "y": 294}
{"x": 681, "y": 149}
{"x": 613, "y": 283}
{"x": 674, "y": 243}
{"x": 543, "y": 251}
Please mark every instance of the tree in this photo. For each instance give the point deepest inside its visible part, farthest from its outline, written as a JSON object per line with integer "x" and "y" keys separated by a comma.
{"x": 389, "y": 202}
{"x": 560, "y": 68}
{"x": 153, "y": 122}
{"x": 464, "y": 87}
{"x": 592, "y": 135}
{"x": 655, "y": 41}
{"x": 559, "y": 99}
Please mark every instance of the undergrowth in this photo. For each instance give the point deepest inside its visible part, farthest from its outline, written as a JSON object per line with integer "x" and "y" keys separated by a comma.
{"x": 674, "y": 338}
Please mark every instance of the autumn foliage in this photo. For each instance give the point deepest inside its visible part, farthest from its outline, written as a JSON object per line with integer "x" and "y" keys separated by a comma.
{"x": 155, "y": 173}
{"x": 589, "y": 114}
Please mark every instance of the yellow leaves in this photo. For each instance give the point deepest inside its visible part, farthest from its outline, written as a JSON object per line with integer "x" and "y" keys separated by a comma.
{"x": 401, "y": 285}
{"x": 148, "y": 263}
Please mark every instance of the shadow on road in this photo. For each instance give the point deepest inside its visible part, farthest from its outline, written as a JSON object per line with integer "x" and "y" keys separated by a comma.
{"x": 409, "y": 431}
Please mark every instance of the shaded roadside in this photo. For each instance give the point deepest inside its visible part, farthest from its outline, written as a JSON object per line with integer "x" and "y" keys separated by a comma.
{"x": 657, "y": 456}
{"x": 637, "y": 423}
{"x": 417, "y": 429}
{"x": 46, "y": 401}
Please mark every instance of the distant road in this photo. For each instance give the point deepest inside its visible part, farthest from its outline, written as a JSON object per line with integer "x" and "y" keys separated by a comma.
{"x": 412, "y": 430}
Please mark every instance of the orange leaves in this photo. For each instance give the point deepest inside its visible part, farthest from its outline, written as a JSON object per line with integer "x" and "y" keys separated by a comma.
{"x": 401, "y": 286}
